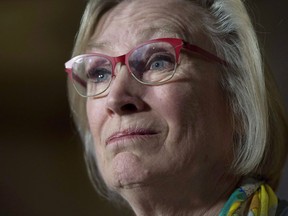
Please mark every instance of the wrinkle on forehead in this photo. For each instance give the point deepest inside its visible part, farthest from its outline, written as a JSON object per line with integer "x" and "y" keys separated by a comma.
{"x": 147, "y": 19}
{"x": 141, "y": 34}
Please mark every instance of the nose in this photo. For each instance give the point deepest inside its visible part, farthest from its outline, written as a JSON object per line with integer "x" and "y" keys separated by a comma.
{"x": 126, "y": 94}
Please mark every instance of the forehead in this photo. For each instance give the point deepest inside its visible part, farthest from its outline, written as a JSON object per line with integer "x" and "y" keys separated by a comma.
{"x": 132, "y": 22}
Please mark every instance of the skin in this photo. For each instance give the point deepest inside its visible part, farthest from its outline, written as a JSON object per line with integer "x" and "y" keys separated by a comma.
{"x": 165, "y": 149}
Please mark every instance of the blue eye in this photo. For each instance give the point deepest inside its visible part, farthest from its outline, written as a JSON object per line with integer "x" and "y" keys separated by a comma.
{"x": 161, "y": 63}
{"x": 157, "y": 65}
{"x": 99, "y": 75}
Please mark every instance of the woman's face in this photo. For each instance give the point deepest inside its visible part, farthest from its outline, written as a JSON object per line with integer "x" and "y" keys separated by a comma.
{"x": 148, "y": 134}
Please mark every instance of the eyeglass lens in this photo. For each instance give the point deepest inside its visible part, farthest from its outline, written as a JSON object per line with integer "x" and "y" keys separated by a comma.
{"x": 151, "y": 63}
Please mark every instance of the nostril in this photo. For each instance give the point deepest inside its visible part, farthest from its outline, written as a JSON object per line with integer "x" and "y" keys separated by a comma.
{"x": 130, "y": 107}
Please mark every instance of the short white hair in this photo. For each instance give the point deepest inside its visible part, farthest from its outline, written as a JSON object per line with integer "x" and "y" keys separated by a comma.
{"x": 259, "y": 121}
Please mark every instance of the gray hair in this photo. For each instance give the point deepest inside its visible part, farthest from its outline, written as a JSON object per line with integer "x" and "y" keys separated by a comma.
{"x": 259, "y": 122}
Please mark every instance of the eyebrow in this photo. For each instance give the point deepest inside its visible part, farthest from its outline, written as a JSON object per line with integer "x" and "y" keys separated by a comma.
{"x": 143, "y": 35}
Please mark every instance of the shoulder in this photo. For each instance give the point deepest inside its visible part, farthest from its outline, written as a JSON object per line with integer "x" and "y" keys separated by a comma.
{"x": 282, "y": 209}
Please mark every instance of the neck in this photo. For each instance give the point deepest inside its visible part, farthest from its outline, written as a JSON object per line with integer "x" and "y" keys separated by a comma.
{"x": 180, "y": 197}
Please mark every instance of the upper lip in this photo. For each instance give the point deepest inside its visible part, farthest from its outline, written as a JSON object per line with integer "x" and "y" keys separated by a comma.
{"x": 129, "y": 132}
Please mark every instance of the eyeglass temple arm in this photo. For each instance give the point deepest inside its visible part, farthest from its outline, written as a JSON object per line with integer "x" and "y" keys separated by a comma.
{"x": 204, "y": 53}
{"x": 76, "y": 77}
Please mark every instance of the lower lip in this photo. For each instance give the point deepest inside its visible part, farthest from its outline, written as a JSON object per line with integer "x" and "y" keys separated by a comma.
{"x": 128, "y": 138}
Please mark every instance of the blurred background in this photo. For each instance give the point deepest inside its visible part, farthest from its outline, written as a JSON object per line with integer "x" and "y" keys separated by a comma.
{"x": 41, "y": 163}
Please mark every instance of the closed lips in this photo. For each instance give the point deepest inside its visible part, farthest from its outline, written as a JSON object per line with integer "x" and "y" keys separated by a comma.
{"x": 129, "y": 133}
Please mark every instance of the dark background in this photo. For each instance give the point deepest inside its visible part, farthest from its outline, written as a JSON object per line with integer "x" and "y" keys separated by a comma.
{"x": 41, "y": 164}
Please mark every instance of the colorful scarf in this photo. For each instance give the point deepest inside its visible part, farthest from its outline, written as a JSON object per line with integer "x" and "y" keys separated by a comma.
{"x": 253, "y": 196}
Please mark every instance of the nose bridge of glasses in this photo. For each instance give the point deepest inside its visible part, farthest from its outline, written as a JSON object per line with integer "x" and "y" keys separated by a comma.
{"x": 119, "y": 59}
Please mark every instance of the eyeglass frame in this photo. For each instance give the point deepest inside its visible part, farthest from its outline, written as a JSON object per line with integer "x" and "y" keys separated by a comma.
{"x": 176, "y": 43}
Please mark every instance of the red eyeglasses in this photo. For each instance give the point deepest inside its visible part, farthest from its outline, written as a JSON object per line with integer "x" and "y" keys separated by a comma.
{"x": 151, "y": 63}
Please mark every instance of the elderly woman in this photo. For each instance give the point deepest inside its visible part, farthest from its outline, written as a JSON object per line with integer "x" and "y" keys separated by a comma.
{"x": 177, "y": 112}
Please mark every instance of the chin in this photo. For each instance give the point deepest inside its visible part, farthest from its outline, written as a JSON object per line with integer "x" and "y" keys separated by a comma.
{"x": 127, "y": 171}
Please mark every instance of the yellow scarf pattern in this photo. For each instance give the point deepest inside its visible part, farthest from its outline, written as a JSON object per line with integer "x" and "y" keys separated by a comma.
{"x": 256, "y": 198}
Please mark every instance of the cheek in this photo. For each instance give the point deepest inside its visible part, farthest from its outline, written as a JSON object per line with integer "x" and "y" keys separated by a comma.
{"x": 178, "y": 105}
{"x": 96, "y": 118}
{"x": 216, "y": 125}
{"x": 198, "y": 118}
{"x": 95, "y": 112}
